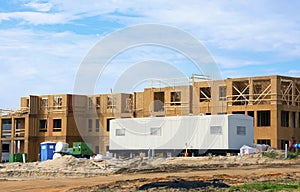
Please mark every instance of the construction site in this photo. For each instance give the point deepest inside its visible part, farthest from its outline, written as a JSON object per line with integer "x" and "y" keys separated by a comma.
{"x": 272, "y": 101}
{"x": 263, "y": 112}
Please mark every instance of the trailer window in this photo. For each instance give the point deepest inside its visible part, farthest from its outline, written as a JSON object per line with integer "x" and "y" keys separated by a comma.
{"x": 215, "y": 130}
{"x": 120, "y": 132}
{"x": 241, "y": 130}
{"x": 155, "y": 131}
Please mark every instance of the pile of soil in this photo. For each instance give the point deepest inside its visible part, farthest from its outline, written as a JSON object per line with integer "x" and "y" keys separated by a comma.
{"x": 65, "y": 166}
{"x": 140, "y": 173}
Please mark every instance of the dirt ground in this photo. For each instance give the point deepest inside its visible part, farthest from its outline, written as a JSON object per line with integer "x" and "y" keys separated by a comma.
{"x": 159, "y": 174}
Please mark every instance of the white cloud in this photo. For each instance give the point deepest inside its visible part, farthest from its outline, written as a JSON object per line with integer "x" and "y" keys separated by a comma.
{"x": 238, "y": 35}
{"x": 36, "y": 5}
{"x": 231, "y": 63}
{"x": 256, "y": 26}
{"x": 294, "y": 73}
{"x": 39, "y": 62}
{"x": 253, "y": 26}
{"x": 36, "y": 18}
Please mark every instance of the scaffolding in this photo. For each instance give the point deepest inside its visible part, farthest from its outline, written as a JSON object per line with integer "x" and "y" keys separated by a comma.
{"x": 180, "y": 81}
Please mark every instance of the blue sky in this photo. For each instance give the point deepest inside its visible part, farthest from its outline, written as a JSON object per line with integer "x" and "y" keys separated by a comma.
{"x": 42, "y": 43}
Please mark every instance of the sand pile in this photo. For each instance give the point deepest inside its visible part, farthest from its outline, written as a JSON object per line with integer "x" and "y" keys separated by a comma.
{"x": 69, "y": 166}
{"x": 70, "y": 163}
{"x": 65, "y": 166}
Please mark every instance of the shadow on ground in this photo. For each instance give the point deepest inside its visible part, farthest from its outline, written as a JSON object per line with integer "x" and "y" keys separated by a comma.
{"x": 184, "y": 184}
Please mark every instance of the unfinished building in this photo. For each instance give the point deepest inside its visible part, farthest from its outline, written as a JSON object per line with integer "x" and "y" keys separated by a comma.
{"x": 273, "y": 102}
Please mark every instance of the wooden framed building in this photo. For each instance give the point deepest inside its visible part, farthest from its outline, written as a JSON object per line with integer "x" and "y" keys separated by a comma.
{"x": 273, "y": 102}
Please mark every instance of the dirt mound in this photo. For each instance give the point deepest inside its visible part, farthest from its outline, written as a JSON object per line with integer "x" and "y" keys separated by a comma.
{"x": 69, "y": 166}
{"x": 69, "y": 163}
{"x": 169, "y": 174}
{"x": 65, "y": 166}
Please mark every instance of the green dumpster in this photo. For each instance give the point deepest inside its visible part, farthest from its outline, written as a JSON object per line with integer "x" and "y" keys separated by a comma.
{"x": 18, "y": 157}
{"x": 12, "y": 158}
{"x": 82, "y": 149}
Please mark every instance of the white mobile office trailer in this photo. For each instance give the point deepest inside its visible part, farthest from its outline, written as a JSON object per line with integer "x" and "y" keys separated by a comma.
{"x": 198, "y": 134}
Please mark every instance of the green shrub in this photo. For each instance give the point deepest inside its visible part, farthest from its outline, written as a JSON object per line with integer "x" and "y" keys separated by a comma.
{"x": 269, "y": 154}
{"x": 292, "y": 155}
{"x": 266, "y": 186}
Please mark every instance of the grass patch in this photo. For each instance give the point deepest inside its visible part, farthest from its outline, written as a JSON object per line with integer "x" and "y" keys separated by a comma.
{"x": 269, "y": 154}
{"x": 274, "y": 155}
{"x": 266, "y": 186}
{"x": 292, "y": 155}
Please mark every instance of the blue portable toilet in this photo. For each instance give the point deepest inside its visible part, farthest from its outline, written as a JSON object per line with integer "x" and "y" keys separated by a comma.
{"x": 47, "y": 150}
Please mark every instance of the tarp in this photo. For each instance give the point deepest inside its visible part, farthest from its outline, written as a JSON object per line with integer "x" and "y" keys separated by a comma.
{"x": 261, "y": 147}
{"x": 244, "y": 150}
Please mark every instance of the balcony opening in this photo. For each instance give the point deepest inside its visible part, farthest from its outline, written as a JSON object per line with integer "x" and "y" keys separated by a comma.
{"x": 90, "y": 103}
{"x": 98, "y": 102}
{"x": 57, "y": 102}
{"x": 44, "y": 103}
{"x": 175, "y": 98}
{"x": 222, "y": 93}
{"x": 111, "y": 102}
{"x": 205, "y": 94}
{"x": 159, "y": 101}
{"x": 240, "y": 92}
